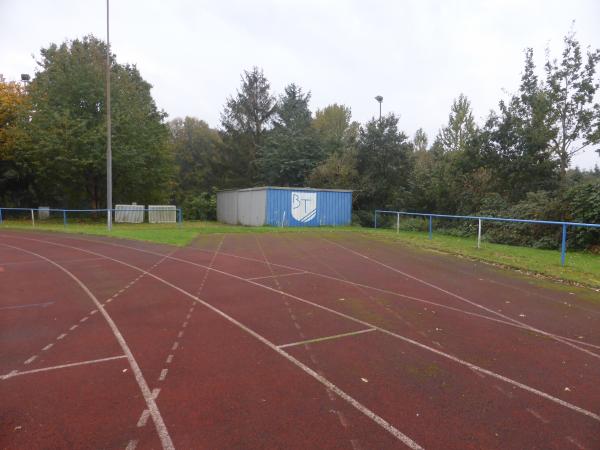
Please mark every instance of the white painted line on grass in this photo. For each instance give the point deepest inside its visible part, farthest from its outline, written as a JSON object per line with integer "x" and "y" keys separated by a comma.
{"x": 159, "y": 423}
{"x": 327, "y": 338}
{"x": 16, "y": 373}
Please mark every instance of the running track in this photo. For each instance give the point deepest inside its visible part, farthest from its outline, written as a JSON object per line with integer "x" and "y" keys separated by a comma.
{"x": 311, "y": 340}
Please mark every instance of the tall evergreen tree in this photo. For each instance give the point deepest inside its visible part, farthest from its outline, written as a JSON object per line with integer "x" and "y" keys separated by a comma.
{"x": 461, "y": 126}
{"x": 292, "y": 149}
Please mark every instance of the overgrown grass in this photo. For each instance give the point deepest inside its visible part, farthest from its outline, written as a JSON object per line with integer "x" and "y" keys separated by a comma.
{"x": 581, "y": 267}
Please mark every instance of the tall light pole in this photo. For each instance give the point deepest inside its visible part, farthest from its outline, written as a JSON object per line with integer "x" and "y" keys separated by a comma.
{"x": 108, "y": 128}
{"x": 379, "y": 98}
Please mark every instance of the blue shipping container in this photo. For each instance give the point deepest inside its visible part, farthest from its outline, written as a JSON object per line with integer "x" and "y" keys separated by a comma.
{"x": 308, "y": 207}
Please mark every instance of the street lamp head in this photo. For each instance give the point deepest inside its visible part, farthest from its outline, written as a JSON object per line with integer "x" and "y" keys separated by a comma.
{"x": 25, "y": 77}
{"x": 379, "y": 98}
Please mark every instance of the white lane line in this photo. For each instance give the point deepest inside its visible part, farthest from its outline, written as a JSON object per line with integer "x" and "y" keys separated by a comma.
{"x": 342, "y": 419}
{"x": 188, "y": 316}
{"x": 175, "y": 345}
{"x": 185, "y": 324}
{"x": 155, "y": 393}
{"x": 327, "y": 338}
{"x": 328, "y": 384}
{"x": 73, "y": 327}
{"x": 61, "y": 336}
{"x": 30, "y": 360}
{"x": 48, "y": 347}
{"x": 16, "y": 373}
{"x": 354, "y": 319}
{"x": 537, "y": 415}
{"x": 143, "y": 418}
{"x": 30, "y": 305}
{"x": 465, "y": 300}
{"x": 92, "y": 312}
{"x": 573, "y": 441}
{"x": 159, "y": 423}
{"x": 132, "y": 444}
{"x": 277, "y": 275}
{"x": 169, "y": 359}
{"x": 163, "y": 374}
{"x": 180, "y": 334}
{"x": 84, "y": 319}
{"x": 297, "y": 325}
{"x": 109, "y": 300}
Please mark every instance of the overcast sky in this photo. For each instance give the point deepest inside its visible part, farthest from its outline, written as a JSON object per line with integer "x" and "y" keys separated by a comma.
{"x": 419, "y": 55}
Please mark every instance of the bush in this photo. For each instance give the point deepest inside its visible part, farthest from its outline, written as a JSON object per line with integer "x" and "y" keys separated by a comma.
{"x": 200, "y": 207}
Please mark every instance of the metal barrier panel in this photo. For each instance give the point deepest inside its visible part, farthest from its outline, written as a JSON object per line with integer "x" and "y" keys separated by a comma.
{"x": 162, "y": 214}
{"x": 129, "y": 213}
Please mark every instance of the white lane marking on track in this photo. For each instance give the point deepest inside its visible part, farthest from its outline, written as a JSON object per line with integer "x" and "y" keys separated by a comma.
{"x": 48, "y": 347}
{"x": 159, "y": 423}
{"x": 94, "y": 311}
{"x": 342, "y": 419}
{"x": 83, "y": 319}
{"x": 132, "y": 444}
{"x": 537, "y": 415}
{"x": 175, "y": 345}
{"x": 169, "y": 359}
{"x": 143, "y": 418}
{"x": 180, "y": 334}
{"x": 30, "y": 305}
{"x": 327, "y": 338}
{"x": 367, "y": 324}
{"x": 573, "y": 441}
{"x": 61, "y": 336}
{"x": 163, "y": 374}
{"x": 30, "y": 360}
{"x": 16, "y": 373}
{"x": 73, "y": 327}
{"x": 277, "y": 275}
{"x": 463, "y": 299}
{"x": 155, "y": 393}
{"x": 328, "y": 384}
{"x": 185, "y": 324}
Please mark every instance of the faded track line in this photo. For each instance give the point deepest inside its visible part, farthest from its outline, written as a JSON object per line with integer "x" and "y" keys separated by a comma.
{"x": 159, "y": 423}
{"x": 16, "y": 373}
{"x": 327, "y": 338}
{"x": 366, "y": 324}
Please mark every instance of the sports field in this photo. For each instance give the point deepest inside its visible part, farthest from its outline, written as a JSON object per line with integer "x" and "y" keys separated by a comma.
{"x": 287, "y": 340}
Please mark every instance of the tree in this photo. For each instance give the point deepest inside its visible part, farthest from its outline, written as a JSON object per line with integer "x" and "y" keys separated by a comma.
{"x": 420, "y": 140}
{"x": 196, "y": 150}
{"x": 571, "y": 88}
{"x": 14, "y": 113}
{"x": 245, "y": 119}
{"x": 292, "y": 149}
{"x": 384, "y": 164}
{"x": 332, "y": 123}
{"x": 517, "y": 142}
{"x": 461, "y": 126}
{"x": 67, "y": 130}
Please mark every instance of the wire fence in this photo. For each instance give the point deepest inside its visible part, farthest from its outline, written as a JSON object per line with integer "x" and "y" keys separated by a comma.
{"x": 478, "y": 222}
{"x": 121, "y": 215}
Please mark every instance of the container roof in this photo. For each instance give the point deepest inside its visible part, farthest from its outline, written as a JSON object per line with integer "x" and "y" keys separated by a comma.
{"x": 262, "y": 188}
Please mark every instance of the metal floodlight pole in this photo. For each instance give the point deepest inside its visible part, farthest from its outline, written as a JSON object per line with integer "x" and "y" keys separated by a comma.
{"x": 379, "y": 98}
{"x": 108, "y": 127}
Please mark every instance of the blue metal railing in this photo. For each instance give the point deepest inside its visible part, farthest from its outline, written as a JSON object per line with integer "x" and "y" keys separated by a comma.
{"x": 65, "y": 212}
{"x": 480, "y": 219}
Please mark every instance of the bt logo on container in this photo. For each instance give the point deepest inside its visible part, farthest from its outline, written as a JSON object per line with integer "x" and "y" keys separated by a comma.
{"x": 304, "y": 206}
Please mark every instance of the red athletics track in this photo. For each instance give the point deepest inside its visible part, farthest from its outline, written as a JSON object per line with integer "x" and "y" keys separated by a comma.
{"x": 327, "y": 340}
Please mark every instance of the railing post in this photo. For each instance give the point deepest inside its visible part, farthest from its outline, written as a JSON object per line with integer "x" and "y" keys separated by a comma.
{"x": 398, "y": 223}
{"x": 0, "y": 215}
{"x": 430, "y": 227}
{"x": 180, "y": 218}
{"x": 375, "y": 218}
{"x": 65, "y": 217}
{"x": 563, "y": 246}
{"x": 32, "y": 218}
{"x": 479, "y": 234}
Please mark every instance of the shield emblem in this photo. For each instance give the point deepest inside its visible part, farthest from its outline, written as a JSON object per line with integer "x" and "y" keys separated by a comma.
{"x": 304, "y": 206}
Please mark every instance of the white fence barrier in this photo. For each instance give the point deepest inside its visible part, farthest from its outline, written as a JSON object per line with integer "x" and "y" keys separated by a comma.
{"x": 162, "y": 214}
{"x": 129, "y": 214}
{"x": 43, "y": 212}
